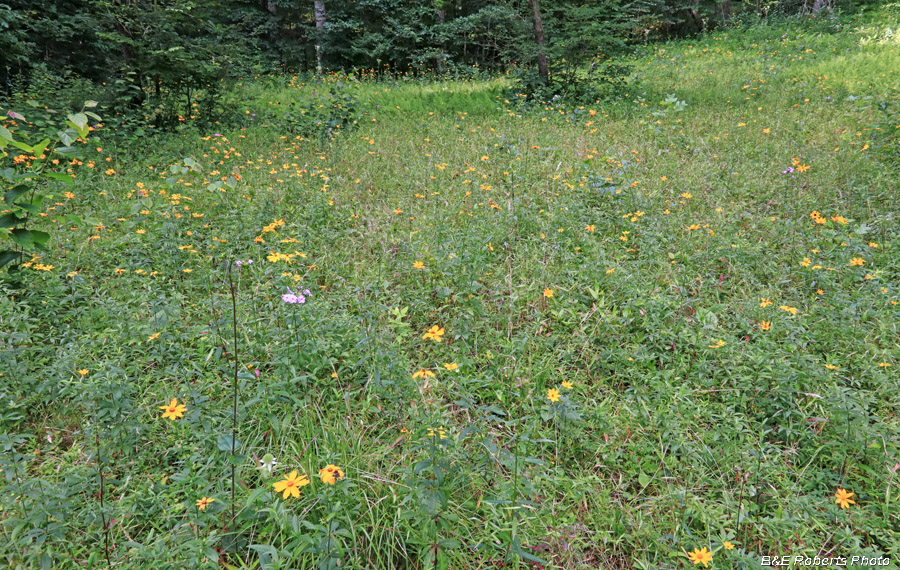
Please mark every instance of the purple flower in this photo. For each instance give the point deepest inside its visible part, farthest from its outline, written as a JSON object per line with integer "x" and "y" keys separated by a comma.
{"x": 297, "y": 297}
{"x": 788, "y": 170}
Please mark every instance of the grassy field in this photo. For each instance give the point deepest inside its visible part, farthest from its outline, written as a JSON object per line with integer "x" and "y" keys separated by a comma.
{"x": 533, "y": 336}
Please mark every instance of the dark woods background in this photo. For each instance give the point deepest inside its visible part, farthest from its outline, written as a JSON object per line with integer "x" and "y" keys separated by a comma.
{"x": 140, "y": 51}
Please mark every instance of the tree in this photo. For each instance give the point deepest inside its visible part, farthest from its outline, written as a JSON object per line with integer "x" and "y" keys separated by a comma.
{"x": 543, "y": 71}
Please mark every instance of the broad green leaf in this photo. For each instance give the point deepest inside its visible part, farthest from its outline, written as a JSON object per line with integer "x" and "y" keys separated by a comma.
{"x": 39, "y": 237}
{"x": 10, "y": 220}
{"x": 14, "y": 194}
{"x": 60, "y": 176}
{"x": 8, "y": 256}
{"x": 22, "y": 237}
{"x": 80, "y": 122}
{"x": 21, "y": 146}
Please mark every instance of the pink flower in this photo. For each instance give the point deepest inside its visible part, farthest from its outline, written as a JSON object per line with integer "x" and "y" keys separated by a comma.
{"x": 297, "y": 297}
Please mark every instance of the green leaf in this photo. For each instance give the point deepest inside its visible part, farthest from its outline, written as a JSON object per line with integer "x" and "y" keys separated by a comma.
{"x": 39, "y": 237}
{"x": 224, "y": 443}
{"x": 22, "y": 237}
{"x": 8, "y": 256}
{"x": 14, "y": 194}
{"x": 21, "y": 146}
{"x": 79, "y": 122}
{"x": 60, "y": 176}
{"x": 40, "y": 147}
{"x": 10, "y": 220}
{"x": 90, "y": 104}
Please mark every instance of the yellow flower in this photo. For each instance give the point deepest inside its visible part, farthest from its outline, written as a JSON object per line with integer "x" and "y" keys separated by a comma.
{"x": 857, "y": 262}
{"x": 451, "y": 366}
{"x": 727, "y": 545}
{"x": 610, "y": 270}
{"x": 567, "y": 385}
{"x": 844, "y": 498}
{"x": 553, "y": 395}
{"x": 548, "y": 293}
{"x": 83, "y": 371}
{"x": 419, "y": 265}
{"x": 718, "y": 344}
{"x": 331, "y": 473}
{"x": 423, "y": 374}
{"x": 831, "y": 367}
{"x": 434, "y": 333}
{"x": 701, "y": 556}
{"x": 291, "y": 485}
{"x": 765, "y": 325}
{"x": 204, "y": 502}
{"x": 787, "y": 309}
{"x": 152, "y": 337}
{"x": 687, "y": 195}
{"x": 590, "y": 228}
{"x": 439, "y": 432}
{"x": 884, "y": 364}
{"x": 174, "y": 410}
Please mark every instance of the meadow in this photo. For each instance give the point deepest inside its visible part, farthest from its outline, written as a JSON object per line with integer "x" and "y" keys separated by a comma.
{"x": 432, "y": 324}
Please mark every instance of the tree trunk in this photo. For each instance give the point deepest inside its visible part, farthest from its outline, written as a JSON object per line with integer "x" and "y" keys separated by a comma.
{"x": 543, "y": 72}
{"x": 320, "y": 32}
{"x": 726, "y": 10}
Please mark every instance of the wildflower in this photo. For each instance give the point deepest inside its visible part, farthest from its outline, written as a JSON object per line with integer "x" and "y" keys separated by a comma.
{"x": 548, "y": 293}
{"x": 765, "y": 325}
{"x": 83, "y": 371}
{"x": 330, "y": 474}
{"x": 451, "y": 366}
{"x": 440, "y": 433}
{"x": 692, "y": 227}
{"x": 291, "y": 485}
{"x": 718, "y": 344}
{"x": 844, "y": 498}
{"x": 590, "y": 228}
{"x": 434, "y": 333}
{"x": 727, "y": 545}
{"x": 610, "y": 270}
{"x": 857, "y": 262}
{"x": 298, "y": 297}
{"x": 174, "y": 410}
{"x": 567, "y": 385}
{"x": 267, "y": 464}
{"x": 839, "y": 219}
{"x": 764, "y": 302}
{"x": 787, "y": 309}
{"x": 423, "y": 373}
{"x": 153, "y": 337}
{"x": 553, "y": 394}
{"x": 204, "y": 502}
{"x": 419, "y": 265}
{"x": 687, "y": 195}
{"x": 831, "y": 367}
{"x": 700, "y": 556}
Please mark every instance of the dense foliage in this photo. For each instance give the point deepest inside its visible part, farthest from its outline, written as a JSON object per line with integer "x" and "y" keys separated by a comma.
{"x": 377, "y": 323}
{"x": 181, "y": 45}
